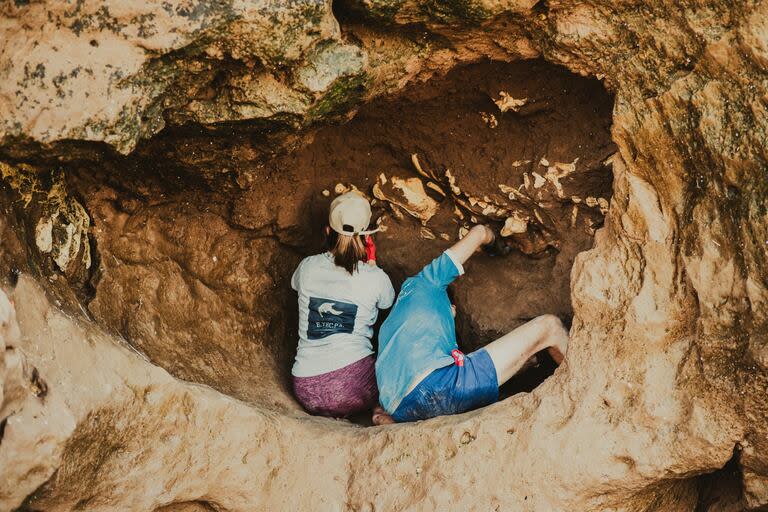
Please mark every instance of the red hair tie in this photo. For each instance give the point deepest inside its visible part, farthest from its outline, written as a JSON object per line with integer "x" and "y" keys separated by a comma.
{"x": 370, "y": 249}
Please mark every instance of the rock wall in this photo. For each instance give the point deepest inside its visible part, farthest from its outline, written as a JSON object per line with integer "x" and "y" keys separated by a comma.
{"x": 666, "y": 375}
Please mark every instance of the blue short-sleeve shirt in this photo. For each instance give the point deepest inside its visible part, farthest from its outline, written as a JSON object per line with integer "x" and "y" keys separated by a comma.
{"x": 419, "y": 334}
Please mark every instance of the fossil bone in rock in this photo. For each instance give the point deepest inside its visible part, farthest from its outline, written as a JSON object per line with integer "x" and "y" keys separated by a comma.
{"x": 506, "y": 102}
{"x": 409, "y": 194}
{"x": 514, "y": 224}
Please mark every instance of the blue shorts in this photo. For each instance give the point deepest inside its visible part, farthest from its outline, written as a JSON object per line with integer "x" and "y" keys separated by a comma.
{"x": 452, "y": 390}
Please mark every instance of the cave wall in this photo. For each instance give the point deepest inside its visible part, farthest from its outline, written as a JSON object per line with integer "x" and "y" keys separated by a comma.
{"x": 193, "y": 270}
{"x": 666, "y": 376}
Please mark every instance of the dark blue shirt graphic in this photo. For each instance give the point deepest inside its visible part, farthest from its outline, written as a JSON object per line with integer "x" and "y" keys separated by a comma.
{"x": 327, "y": 317}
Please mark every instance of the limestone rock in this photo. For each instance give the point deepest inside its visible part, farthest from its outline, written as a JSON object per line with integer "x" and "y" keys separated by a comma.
{"x": 666, "y": 376}
{"x": 108, "y": 72}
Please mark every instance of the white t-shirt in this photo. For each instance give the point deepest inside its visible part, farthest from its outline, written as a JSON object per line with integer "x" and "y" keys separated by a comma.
{"x": 336, "y": 313}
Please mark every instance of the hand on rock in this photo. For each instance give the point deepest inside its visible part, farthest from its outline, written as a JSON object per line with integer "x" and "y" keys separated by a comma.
{"x": 490, "y": 236}
{"x": 484, "y": 234}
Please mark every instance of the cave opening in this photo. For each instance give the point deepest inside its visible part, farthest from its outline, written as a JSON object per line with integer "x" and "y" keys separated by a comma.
{"x": 199, "y": 230}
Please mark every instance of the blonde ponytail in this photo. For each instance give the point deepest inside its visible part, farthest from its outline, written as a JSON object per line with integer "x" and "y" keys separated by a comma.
{"x": 347, "y": 250}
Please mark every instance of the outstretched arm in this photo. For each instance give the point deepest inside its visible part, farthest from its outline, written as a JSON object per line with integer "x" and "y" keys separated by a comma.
{"x": 478, "y": 236}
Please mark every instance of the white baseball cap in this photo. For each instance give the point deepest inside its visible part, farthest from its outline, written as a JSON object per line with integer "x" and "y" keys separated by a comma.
{"x": 350, "y": 214}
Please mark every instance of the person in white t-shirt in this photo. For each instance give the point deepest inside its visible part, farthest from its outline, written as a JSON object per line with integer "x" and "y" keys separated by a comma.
{"x": 340, "y": 294}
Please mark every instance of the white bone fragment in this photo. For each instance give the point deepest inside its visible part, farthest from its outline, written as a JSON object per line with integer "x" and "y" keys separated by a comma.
{"x": 544, "y": 161}
{"x": 380, "y": 224}
{"x": 489, "y": 119}
{"x": 507, "y": 102}
{"x": 420, "y": 170}
{"x": 514, "y": 224}
{"x": 434, "y": 186}
{"x": 44, "y": 235}
{"x": 414, "y": 198}
{"x": 566, "y": 168}
{"x": 326, "y": 192}
{"x": 452, "y": 182}
{"x": 539, "y": 180}
{"x": 417, "y": 165}
{"x": 553, "y": 177}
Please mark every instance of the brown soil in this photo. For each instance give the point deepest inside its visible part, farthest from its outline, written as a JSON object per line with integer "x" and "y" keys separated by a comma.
{"x": 197, "y": 277}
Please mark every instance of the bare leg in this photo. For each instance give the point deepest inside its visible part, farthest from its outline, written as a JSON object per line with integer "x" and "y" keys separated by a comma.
{"x": 478, "y": 236}
{"x": 512, "y": 350}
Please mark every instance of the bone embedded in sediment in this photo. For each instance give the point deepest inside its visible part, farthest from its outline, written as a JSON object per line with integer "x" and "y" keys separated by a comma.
{"x": 409, "y": 194}
{"x": 506, "y": 102}
{"x": 515, "y": 224}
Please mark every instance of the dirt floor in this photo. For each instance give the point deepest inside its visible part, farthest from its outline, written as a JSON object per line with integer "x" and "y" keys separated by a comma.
{"x": 197, "y": 276}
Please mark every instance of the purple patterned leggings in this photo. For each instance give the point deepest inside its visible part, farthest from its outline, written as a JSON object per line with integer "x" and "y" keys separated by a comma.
{"x": 339, "y": 393}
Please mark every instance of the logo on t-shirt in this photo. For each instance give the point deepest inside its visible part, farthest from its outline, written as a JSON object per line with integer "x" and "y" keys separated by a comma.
{"x": 328, "y": 317}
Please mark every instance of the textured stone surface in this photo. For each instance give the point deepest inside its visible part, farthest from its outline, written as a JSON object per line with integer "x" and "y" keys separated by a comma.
{"x": 198, "y": 280}
{"x": 667, "y": 371}
{"x": 107, "y": 72}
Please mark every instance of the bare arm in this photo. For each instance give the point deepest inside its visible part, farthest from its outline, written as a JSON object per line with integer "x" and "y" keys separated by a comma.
{"x": 478, "y": 236}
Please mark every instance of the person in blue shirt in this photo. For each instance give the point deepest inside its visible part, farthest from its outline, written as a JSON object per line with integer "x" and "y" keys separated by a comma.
{"x": 421, "y": 372}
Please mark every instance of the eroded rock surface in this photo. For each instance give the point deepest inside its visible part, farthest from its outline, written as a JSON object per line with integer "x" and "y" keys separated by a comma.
{"x": 108, "y": 72}
{"x": 198, "y": 279}
{"x": 665, "y": 380}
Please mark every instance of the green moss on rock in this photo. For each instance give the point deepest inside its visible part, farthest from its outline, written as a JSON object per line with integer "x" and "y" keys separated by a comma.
{"x": 344, "y": 93}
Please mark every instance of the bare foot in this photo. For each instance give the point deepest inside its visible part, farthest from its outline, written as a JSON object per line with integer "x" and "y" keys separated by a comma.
{"x": 380, "y": 416}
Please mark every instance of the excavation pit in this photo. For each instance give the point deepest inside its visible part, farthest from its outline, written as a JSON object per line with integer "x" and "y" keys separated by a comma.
{"x": 195, "y": 265}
